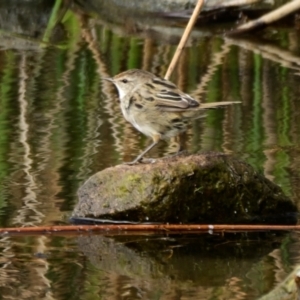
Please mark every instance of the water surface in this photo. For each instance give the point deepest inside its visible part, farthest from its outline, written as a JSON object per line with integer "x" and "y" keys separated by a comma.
{"x": 60, "y": 123}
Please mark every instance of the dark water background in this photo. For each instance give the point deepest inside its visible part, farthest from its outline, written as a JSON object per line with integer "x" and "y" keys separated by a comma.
{"x": 60, "y": 123}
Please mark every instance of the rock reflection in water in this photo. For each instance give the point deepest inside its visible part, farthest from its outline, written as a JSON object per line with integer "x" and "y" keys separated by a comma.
{"x": 59, "y": 124}
{"x": 190, "y": 266}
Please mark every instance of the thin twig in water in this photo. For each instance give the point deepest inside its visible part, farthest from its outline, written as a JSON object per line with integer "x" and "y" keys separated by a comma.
{"x": 138, "y": 228}
{"x": 268, "y": 18}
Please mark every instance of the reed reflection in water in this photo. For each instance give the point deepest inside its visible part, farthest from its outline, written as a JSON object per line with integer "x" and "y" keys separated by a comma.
{"x": 147, "y": 266}
{"x": 60, "y": 123}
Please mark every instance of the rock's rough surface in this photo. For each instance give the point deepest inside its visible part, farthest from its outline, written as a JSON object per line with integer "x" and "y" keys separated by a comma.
{"x": 207, "y": 188}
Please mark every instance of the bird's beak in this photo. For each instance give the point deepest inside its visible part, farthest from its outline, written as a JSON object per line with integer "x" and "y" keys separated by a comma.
{"x": 108, "y": 79}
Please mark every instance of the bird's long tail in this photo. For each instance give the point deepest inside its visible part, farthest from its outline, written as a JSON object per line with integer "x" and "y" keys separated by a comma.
{"x": 216, "y": 104}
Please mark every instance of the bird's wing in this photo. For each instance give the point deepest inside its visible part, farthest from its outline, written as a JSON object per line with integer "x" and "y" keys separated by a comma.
{"x": 166, "y": 96}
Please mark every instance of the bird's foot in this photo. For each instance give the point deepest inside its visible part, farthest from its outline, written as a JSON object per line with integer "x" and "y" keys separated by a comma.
{"x": 181, "y": 152}
{"x": 141, "y": 161}
{"x": 131, "y": 163}
{"x": 178, "y": 153}
{"x": 148, "y": 161}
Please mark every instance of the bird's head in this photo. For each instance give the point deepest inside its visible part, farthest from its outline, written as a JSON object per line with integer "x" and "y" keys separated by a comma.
{"x": 126, "y": 82}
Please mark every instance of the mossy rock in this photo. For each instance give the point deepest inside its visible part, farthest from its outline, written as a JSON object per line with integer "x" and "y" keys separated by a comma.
{"x": 207, "y": 188}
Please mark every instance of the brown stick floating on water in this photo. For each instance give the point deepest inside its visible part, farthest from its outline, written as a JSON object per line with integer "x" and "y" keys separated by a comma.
{"x": 268, "y": 18}
{"x": 125, "y": 228}
{"x": 184, "y": 38}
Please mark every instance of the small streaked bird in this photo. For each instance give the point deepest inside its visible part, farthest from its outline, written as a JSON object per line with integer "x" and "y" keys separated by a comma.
{"x": 155, "y": 106}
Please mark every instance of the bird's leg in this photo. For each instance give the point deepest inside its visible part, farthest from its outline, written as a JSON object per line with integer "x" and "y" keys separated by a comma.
{"x": 176, "y": 146}
{"x": 173, "y": 146}
{"x": 138, "y": 159}
{"x": 179, "y": 141}
{"x": 179, "y": 145}
{"x": 156, "y": 139}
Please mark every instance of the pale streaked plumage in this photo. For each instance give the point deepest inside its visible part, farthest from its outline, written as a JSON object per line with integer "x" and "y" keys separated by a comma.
{"x": 155, "y": 106}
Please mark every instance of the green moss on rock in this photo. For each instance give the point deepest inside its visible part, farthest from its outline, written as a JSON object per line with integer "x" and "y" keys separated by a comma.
{"x": 214, "y": 188}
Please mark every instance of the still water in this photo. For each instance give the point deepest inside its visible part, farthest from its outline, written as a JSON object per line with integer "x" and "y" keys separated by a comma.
{"x": 60, "y": 123}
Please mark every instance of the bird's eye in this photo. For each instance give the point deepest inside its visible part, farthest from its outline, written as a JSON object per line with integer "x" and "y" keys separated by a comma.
{"x": 124, "y": 80}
